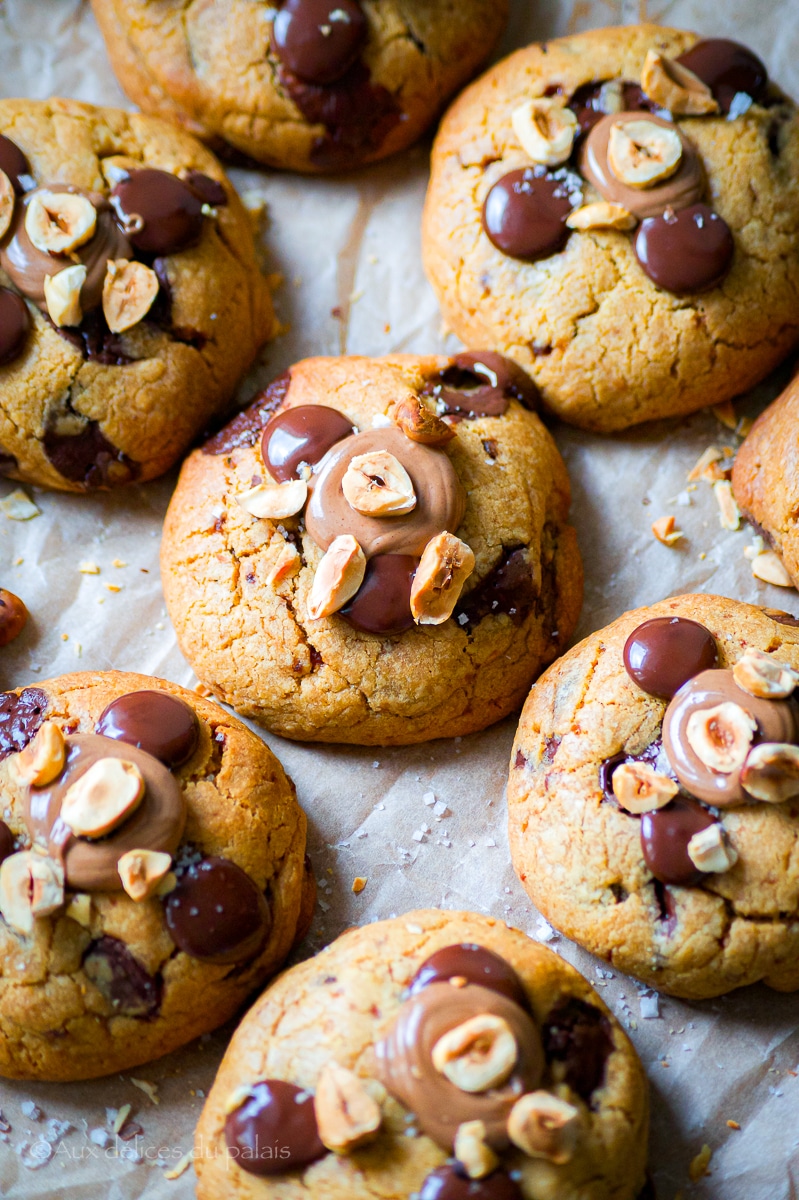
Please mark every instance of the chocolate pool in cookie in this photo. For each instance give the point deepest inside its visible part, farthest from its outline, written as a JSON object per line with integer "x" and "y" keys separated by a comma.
{"x": 493, "y": 1069}
{"x": 97, "y": 872}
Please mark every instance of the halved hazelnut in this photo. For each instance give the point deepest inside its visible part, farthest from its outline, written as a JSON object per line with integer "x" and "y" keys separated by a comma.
{"x": 31, "y": 886}
{"x": 544, "y": 1126}
{"x": 273, "y": 501}
{"x": 601, "y": 215}
{"x": 346, "y": 1115}
{"x": 420, "y": 423}
{"x": 104, "y": 796}
{"x": 674, "y": 87}
{"x": 473, "y": 1152}
{"x": 546, "y": 130}
{"x": 761, "y": 675}
{"x": 7, "y": 201}
{"x": 337, "y": 578}
{"x": 720, "y": 737}
{"x": 445, "y": 565}
{"x": 639, "y": 788}
{"x": 377, "y": 485}
{"x": 79, "y": 909}
{"x": 62, "y": 295}
{"x": 769, "y": 567}
{"x": 478, "y": 1054}
{"x": 142, "y": 871}
{"x": 710, "y": 851}
{"x": 771, "y": 772}
{"x": 58, "y": 222}
{"x": 129, "y": 289}
{"x": 42, "y": 760}
{"x": 641, "y": 153}
{"x": 287, "y": 564}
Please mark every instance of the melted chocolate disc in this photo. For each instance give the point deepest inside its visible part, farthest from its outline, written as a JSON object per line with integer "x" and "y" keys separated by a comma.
{"x": 6, "y": 841}
{"x": 451, "y": 1183}
{"x": 525, "y": 213}
{"x": 480, "y": 384}
{"x": 664, "y": 653}
{"x": 665, "y": 834}
{"x": 156, "y": 722}
{"x": 14, "y": 163}
{"x": 274, "y": 1130}
{"x": 382, "y": 603}
{"x": 301, "y": 435}
{"x": 14, "y": 325}
{"x": 217, "y": 914}
{"x": 245, "y": 427}
{"x": 727, "y": 68}
{"x": 473, "y": 963}
{"x": 121, "y": 978}
{"x": 686, "y": 251}
{"x": 20, "y": 717}
{"x": 158, "y": 212}
{"x": 319, "y": 39}
{"x": 579, "y": 1036}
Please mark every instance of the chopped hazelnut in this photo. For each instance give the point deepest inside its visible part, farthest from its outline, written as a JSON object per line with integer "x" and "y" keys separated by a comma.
{"x": 58, "y": 222}
{"x": 420, "y": 423}
{"x": 720, "y": 736}
{"x": 546, "y": 130}
{"x": 674, "y": 87}
{"x": 477, "y": 1055}
{"x": 666, "y": 531}
{"x": 42, "y": 760}
{"x": 761, "y": 675}
{"x": 142, "y": 872}
{"x": 641, "y": 153}
{"x": 543, "y": 1126}
{"x": 31, "y": 886}
{"x": 104, "y": 796}
{"x": 346, "y": 1114}
{"x": 602, "y": 214}
{"x": 129, "y": 289}
{"x": 710, "y": 851}
{"x": 274, "y": 501}
{"x": 472, "y": 1151}
{"x": 769, "y": 567}
{"x": 445, "y": 565}
{"x": 771, "y": 772}
{"x": 337, "y": 578}
{"x": 7, "y": 203}
{"x": 377, "y": 485}
{"x": 62, "y": 296}
{"x": 639, "y": 788}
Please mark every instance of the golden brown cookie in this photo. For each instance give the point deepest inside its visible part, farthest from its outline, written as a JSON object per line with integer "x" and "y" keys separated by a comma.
{"x": 130, "y": 299}
{"x": 310, "y": 85}
{"x": 399, "y": 583}
{"x": 415, "y": 1052}
{"x": 653, "y": 791}
{"x": 592, "y": 214}
{"x": 152, "y": 852}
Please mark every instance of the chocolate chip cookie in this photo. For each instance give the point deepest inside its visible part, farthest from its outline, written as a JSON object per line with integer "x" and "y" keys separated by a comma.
{"x": 130, "y": 298}
{"x": 619, "y": 212}
{"x": 441, "y": 1055}
{"x": 653, "y": 795}
{"x": 311, "y": 85}
{"x": 152, "y": 853}
{"x": 376, "y": 551}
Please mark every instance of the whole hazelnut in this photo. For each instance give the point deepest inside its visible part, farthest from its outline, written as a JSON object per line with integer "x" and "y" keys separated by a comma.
{"x": 13, "y": 616}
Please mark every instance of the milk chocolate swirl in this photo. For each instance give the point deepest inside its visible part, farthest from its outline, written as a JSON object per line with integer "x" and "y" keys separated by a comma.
{"x": 157, "y": 823}
{"x": 440, "y": 498}
{"x": 406, "y": 1067}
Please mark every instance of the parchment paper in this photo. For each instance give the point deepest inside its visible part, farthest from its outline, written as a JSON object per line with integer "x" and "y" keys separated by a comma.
{"x": 352, "y": 244}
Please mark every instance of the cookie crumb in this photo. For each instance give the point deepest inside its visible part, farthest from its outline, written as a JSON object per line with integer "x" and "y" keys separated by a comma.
{"x": 358, "y": 884}
{"x": 666, "y": 531}
{"x": 89, "y": 568}
{"x": 733, "y": 1125}
{"x": 725, "y": 413}
{"x": 150, "y": 1089}
{"x": 18, "y": 506}
{"x": 180, "y": 1167}
{"x": 700, "y": 1163}
{"x": 705, "y": 467}
{"x": 729, "y": 512}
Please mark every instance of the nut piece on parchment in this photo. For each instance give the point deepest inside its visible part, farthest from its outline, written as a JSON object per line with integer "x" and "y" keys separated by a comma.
{"x": 31, "y": 886}
{"x": 129, "y": 289}
{"x": 478, "y": 1054}
{"x": 543, "y": 1126}
{"x": 666, "y": 531}
{"x": 346, "y": 1115}
{"x": 546, "y": 130}
{"x": 57, "y": 222}
{"x": 142, "y": 871}
{"x": 109, "y": 792}
{"x": 720, "y": 737}
{"x": 420, "y": 423}
{"x": 761, "y": 675}
{"x": 639, "y": 788}
{"x": 445, "y": 565}
{"x": 62, "y": 295}
{"x": 7, "y": 202}
{"x": 337, "y": 578}
{"x": 601, "y": 215}
{"x": 641, "y": 153}
{"x": 710, "y": 851}
{"x": 287, "y": 564}
{"x": 674, "y": 87}
{"x": 377, "y": 485}
{"x": 769, "y": 567}
{"x": 771, "y": 772}
{"x": 42, "y": 759}
{"x": 13, "y": 617}
{"x": 472, "y": 1151}
{"x": 274, "y": 500}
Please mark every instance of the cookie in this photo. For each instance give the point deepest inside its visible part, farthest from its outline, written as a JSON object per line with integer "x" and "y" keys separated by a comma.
{"x": 152, "y": 872}
{"x": 437, "y": 1054}
{"x": 130, "y": 298}
{"x": 306, "y": 84}
{"x": 376, "y": 551}
{"x": 652, "y": 800}
{"x": 592, "y": 213}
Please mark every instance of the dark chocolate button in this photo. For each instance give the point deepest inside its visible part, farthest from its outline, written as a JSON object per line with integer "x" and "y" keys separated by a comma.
{"x": 121, "y": 978}
{"x": 274, "y": 1130}
{"x": 509, "y": 589}
{"x": 450, "y": 1182}
{"x": 586, "y": 101}
{"x": 88, "y": 458}
{"x": 14, "y": 163}
{"x": 525, "y": 213}
{"x": 156, "y": 722}
{"x": 665, "y": 834}
{"x": 382, "y": 604}
{"x": 13, "y": 617}
{"x": 664, "y": 653}
{"x": 479, "y": 383}
{"x": 319, "y": 39}
{"x": 217, "y": 914}
{"x": 578, "y": 1035}
{"x": 209, "y": 190}
{"x": 301, "y": 434}
{"x": 473, "y": 963}
{"x": 20, "y": 717}
{"x": 14, "y": 325}
{"x": 689, "y": 250}
{"x": 727, "y": 68}
{"x": 246, "y": 426}
{"x": 157, "y": 211}
{"x": 6, "y": 841}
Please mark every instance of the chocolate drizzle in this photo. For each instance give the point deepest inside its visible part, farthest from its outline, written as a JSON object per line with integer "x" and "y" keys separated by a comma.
{"x": 246, "y": 426}
{"x": 20, "y": 717}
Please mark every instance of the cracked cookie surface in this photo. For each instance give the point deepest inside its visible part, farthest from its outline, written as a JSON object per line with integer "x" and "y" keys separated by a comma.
{"x": 607, "y": 347}
{"x": 579, "y": 854}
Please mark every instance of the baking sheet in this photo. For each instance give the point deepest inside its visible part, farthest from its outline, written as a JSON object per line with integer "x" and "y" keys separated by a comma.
{"x": 351, "y": 246}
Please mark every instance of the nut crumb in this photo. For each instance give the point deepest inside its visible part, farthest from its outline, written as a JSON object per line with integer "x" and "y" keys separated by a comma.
{"x": 18, "y": 506}
{"x": 769, "y": 567}
{"x": 358, "y": 884}
{"x": 666, "y": 531}
{"x": 700, "y": 1163}
{"x": 729, "y": 512}
{"x": 733, "y": 1125}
